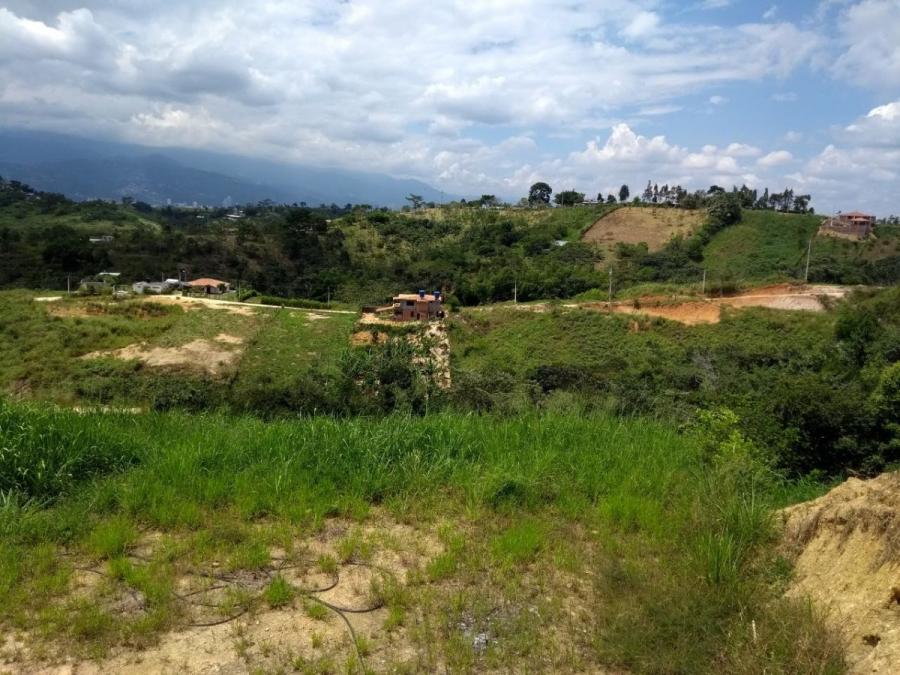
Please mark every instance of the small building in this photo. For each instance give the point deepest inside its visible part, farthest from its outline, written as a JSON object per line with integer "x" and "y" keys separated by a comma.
{"x": 104, "y": 282}
{"x": 419, "y": 306}
{"x": 854, "y": 225}
{"x": 208, "y": 286}
{"x": 102, "y": 239}
{"x": 155, "y": 287}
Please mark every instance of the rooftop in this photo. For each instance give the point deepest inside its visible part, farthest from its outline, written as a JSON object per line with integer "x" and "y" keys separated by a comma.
{"x": 208, "y": 282}
{"x": 415, "y": 296}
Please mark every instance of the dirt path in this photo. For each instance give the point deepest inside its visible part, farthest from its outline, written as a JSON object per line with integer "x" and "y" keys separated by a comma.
{"x": 232, "y": 305}
{"x": 258, "y": 638}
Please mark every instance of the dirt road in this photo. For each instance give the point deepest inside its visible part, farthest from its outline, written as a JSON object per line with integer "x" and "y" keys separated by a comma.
{"x": 693, "y": 310}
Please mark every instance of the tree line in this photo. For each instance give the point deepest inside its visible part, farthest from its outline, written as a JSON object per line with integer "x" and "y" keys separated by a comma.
{"x": 539, "y": 194}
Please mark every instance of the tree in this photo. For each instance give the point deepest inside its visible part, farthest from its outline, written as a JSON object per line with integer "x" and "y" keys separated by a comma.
{"x": 415, "y": 201}
{"x": 648, "y": 192}
{"x": 623, "y": 193}
{"x": 539, "y": 193}
{"x": 489, "y": 200}
{"x": 801, "y": 203}
{"x": 569, "y": 198}
{"x": 610, "y": 199}
{"x": 724, "y": 210}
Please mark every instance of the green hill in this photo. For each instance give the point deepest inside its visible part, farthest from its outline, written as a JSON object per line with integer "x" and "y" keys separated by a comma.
{"x": 766, "y": 244}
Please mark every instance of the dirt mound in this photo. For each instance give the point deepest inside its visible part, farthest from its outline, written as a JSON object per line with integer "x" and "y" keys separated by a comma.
{"x": 846, "y": 548}
{"x": 206, "y": 355}
{"x": 654, "y": 226}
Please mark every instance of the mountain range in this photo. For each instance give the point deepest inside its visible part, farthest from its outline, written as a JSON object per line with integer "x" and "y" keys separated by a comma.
{"x": 83, "y": 168}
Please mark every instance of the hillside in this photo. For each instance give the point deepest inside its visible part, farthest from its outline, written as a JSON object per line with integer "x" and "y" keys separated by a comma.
{"x": 440, "y": 543}
{"x": 768, "y": 244}
{"x": 665, "y": 245}
{"x": 214, "y": 485}
{"x": 359, "y": 255}
{"x": 654, "y": 226}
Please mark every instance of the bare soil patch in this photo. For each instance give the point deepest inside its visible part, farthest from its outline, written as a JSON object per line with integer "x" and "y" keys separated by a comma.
{"x": 654, "y": 226}
{"x": 199, "y": 303}
{"x": 846, "y": 548}
{"x": 361, "y": 338}
{"x": 229, "y": 339}
{"x": 692, "y": 312}
{"x": 336, "y": 609}
{"x": 205, "y": 355}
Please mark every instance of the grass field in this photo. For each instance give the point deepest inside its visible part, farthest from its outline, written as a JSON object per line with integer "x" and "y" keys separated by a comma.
{"x": 290, "y": 342}
{"x": 547, "y": 543}
{"x": 145, "y": 353}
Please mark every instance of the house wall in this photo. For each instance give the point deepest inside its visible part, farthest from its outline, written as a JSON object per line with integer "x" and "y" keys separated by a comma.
{"x": 420, "y": 310}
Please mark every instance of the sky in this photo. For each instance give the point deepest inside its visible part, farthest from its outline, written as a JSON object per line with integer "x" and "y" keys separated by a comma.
{"x": 484, "y": 96}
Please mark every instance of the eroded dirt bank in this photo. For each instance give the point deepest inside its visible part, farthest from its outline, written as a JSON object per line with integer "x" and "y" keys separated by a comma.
{"x": 846, "y": 548}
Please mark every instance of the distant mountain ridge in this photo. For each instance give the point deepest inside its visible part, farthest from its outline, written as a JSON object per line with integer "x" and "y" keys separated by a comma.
{"x": 84, "y": 169}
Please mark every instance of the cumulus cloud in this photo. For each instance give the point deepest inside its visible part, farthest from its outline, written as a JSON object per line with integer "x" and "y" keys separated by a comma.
{"x": 775, "y": 158}
{"x": 870, "y": 31}
{"x": 481, "y": 96}
{"x": 859, "y": 169}
{"x": 75, "y": 37}
{"x": 888, "y": 111}
{"x": 643, "y": 24}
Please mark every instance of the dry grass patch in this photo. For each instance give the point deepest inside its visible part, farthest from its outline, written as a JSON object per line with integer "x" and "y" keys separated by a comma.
{"x": 633, "y": 225}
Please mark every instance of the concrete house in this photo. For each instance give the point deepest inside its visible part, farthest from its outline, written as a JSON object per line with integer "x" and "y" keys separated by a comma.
{"x": 208, "y": 286}
{"x": 419, "y": 306}
{"x": 854, "y": 225}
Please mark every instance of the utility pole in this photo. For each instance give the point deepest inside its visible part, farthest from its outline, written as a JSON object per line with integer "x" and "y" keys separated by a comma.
{"x": 610, "y": 289}
{"x": 68, "y": 284}
{"x": 328, "y": 297}
{"x": 808, "y": 253}
{"x": 703, "y": 288}
{"x": 515, "y": 291}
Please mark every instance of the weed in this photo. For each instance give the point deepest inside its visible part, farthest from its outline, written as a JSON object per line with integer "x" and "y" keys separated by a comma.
{"x": 112, "y": 537}
{"x": 519, "y": 543}
{"x": 327, "y": 564}
{"x": 315, "y": 610}
{"x": 279, "y": 592}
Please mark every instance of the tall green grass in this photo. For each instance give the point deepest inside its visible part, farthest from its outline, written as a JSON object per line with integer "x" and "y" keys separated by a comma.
{"x": 680, "y": 522}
